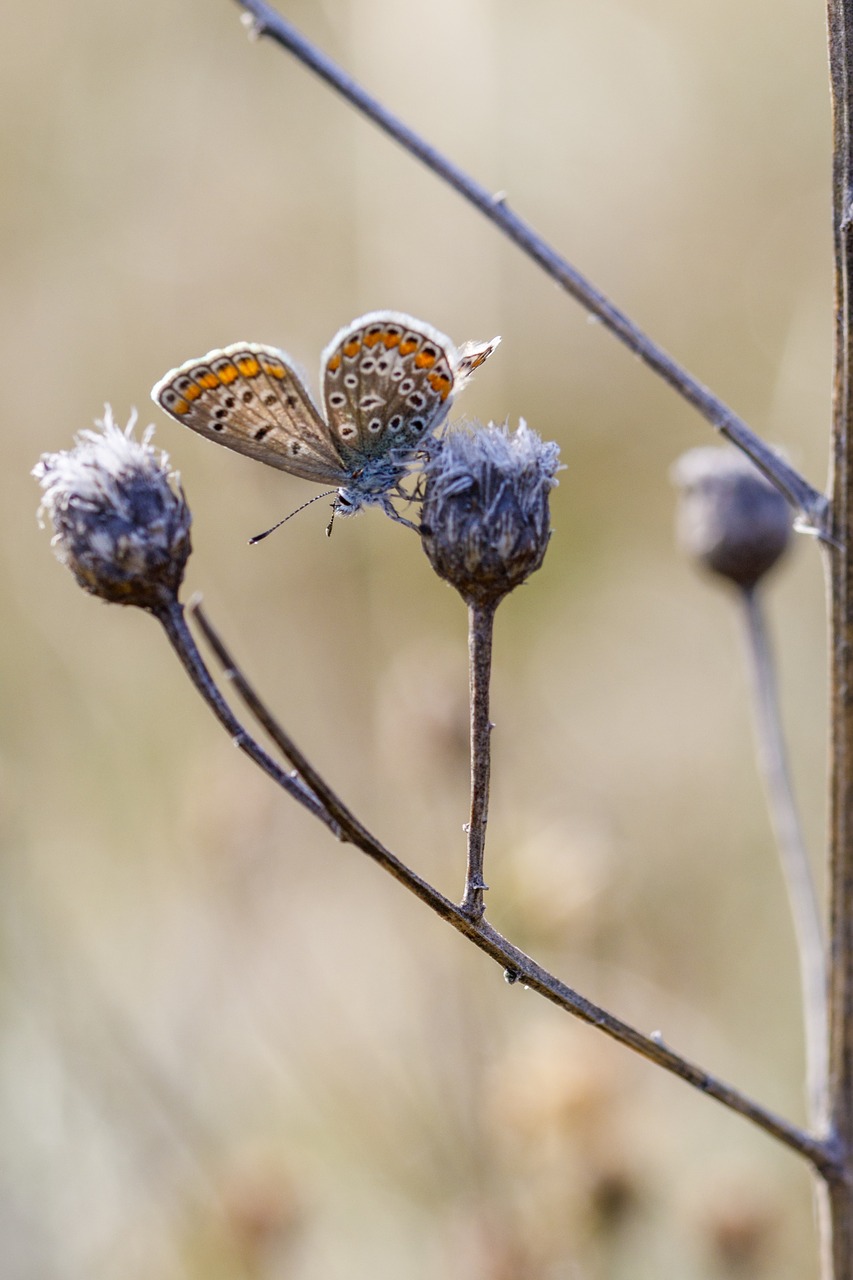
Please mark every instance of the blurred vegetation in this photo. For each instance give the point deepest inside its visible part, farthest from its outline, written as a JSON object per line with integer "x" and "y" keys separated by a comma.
{"x": 229, "y": 1048}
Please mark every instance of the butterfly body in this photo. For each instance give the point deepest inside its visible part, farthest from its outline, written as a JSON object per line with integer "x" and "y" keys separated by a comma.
{"x": 388, "y": 383}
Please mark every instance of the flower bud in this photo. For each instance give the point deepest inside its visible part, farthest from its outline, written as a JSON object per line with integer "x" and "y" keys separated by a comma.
{"x": 120, "y": 519}
{"x": 730, "y": 517}
{"x": 485, "y": 523}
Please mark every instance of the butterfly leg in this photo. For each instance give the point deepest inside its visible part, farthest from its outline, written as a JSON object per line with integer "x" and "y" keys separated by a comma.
{"x": 390, "y": 510}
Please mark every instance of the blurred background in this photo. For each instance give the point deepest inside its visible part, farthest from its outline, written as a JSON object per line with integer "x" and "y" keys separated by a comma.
{"x": 231, "y": 1048}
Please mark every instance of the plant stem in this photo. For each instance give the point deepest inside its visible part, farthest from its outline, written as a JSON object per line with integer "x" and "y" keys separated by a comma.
{"x": 806, "y": 499}
{"x": 174, "y": 624}
{"x": 511, "y": 959}
{"x": 838, "y": 1208}
{"x": 481, "y": 622}
{"x": 348, "y": 825}
{"x": 796, "y": 868}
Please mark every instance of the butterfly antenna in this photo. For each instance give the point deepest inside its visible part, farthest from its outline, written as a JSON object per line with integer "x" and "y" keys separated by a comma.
{"x": 259, "y": 537}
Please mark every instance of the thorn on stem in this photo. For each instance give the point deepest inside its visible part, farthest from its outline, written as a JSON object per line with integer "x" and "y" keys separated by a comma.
{"x": 254, "y": 26}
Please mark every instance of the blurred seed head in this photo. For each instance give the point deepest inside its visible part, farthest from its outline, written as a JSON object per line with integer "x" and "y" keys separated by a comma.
{"x": 560, "y": 1103}
{"x": 264, "y": 1208}
{"x": 557, "y": 1080}
{"x": 730, "y": 518}
{"x": 120, "y": 519}
{"x": 738, "y": 1221}
{"x": 557, "y": 872}
{"x": 485, "y": 522}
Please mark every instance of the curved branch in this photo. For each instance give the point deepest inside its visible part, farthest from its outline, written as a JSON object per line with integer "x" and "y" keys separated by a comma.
{"x": 813, "y": 505}
{"x": 172, "y": 620}
{"x": 518, "y": 965}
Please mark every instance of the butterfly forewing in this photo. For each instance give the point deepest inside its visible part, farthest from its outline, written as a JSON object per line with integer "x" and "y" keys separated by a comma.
{"x": 387, "y": 382}
{"x": 249, "y": 398}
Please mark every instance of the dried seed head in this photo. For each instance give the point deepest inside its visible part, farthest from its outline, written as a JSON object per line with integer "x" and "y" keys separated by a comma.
{"x": 485, "y": 523}
{"x": 730, "y": 517}
{"x": 120, "y": 519}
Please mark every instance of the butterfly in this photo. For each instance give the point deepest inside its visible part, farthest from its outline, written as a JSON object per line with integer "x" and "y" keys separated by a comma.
{"x": 388, "y": 383}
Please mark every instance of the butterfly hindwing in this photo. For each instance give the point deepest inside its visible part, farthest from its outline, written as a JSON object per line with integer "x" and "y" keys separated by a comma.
{"x": 387, "y": 383}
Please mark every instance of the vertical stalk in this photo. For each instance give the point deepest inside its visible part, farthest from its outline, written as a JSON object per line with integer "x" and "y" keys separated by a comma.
{"x": 837, "y": 1216}
{"x": 793, "y": 855}
{"x": 481, "y": 620}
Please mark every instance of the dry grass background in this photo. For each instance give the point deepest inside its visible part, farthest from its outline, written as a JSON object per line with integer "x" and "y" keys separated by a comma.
{"x": 230, "y": 1048}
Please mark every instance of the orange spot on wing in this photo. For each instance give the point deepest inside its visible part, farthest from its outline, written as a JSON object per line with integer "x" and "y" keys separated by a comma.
{"x": 424, "y": 360}
{"x": 248, "y": 366}
{"x": 391, "y": 340}
{"x": 371, "y": 339}
{"x": 335, "y": 363}
{"x": 192, "y": 392}
{"x": 273, "y": 367}
{"x": 180, "y": 407}
{"x": 441, "y": 384}
{"x": 227, "y": 374}
{"x": 351, "y": 349}
{"x": 207, "y": 380}
{"x": 407, "y": 347}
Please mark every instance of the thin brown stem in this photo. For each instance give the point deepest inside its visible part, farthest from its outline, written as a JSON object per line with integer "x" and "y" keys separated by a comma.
{"x": 481, "y": 622}
{"x": 793, "y": 855}
{"x": 806, "y": 499}
{"x": 517, "y": 965}
{"x": 838, "y": 1218}
{"x": 349, "y": 826}
{"x": 174, "y": 624}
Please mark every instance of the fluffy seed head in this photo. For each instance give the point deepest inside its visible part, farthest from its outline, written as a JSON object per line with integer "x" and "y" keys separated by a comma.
{"x": 119, "y": 516}
{"x": 485, "y": 522}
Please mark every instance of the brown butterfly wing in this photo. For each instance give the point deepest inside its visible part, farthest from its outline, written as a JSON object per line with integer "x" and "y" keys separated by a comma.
{"x": 249, "y": 398}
